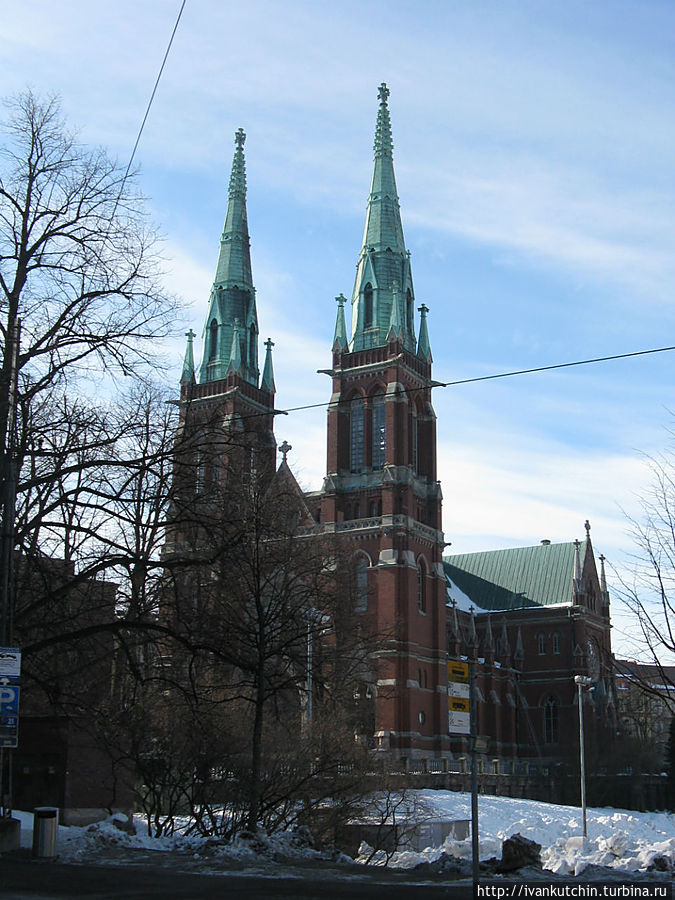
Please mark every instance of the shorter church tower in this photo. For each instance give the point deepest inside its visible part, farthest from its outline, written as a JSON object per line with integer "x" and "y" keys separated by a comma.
{"x": 225, "y": 434}
{"x": 381, "y": 490}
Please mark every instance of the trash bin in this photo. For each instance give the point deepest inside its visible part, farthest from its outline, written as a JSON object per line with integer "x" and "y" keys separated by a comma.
{"x": 45, "y": 825}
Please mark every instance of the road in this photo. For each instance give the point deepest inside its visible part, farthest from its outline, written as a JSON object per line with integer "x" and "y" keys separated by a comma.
{"x": 24, "y": 879}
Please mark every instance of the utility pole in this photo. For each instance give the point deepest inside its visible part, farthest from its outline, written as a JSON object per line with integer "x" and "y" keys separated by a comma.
{"x": 7, "y": 535}
{"x": 582, "y": 681}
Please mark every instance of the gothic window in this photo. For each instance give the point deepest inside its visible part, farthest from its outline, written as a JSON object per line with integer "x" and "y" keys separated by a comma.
{"x": 200, "y": 474}
{"x": 551, "y": 721}
{"x": 361, "y": 599}
{"x": 541, "y": 644}
{"x": 379, "y": 431}
{"x": 213, "y": 340}
{"x": 368, "y": 306}
{"x": 357, "y": 510}
{"x": 356, "y": 435}
{"x": 251, "y": 347}
{"x": 409, "y": 309}
{"x": 421, "y": 586}
{"x": 348, "y": 512}
{"x": 413, "y": 436}
{"x": 556, "y": 643}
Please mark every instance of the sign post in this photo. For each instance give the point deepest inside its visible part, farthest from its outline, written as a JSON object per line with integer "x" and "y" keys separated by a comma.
{"x": 462, "y": 720}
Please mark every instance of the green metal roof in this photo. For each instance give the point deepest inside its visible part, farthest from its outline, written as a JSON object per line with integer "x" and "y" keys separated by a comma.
{"x": 517, "y": 578}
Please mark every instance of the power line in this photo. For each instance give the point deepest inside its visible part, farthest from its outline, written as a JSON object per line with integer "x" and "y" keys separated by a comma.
{"x": 445, "y": 384}
{"x": 154, "y": 91}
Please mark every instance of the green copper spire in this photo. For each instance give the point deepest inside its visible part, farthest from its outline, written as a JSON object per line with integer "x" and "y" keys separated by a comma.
{"x": 384, "y": 260}
{"x": 188, "y": 375}
{"x": 268, "y": 371}
{"x": 423, "y": 345}
{"x": 340, "y": 337}
{"x": 232, "y": 294}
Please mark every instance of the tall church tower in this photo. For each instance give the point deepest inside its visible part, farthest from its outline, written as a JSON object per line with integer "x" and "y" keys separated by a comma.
{"x": 226, "y": 410}
{"x": 381, "y": 489}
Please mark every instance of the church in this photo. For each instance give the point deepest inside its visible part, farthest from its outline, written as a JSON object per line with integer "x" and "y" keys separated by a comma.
{"x": 531, "y": 617}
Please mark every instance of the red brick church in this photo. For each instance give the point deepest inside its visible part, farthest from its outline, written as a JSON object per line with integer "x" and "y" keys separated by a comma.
{"x": 532, "y": 617}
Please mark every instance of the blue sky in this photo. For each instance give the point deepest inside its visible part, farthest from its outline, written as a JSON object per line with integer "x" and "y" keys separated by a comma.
{"x": 533, "y": 154}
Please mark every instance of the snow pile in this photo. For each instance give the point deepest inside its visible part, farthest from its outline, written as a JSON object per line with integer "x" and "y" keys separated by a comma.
{"x": 619, "y": 840}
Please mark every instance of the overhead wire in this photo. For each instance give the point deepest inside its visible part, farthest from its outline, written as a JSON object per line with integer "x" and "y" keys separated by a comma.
{"x": 493, "y": 377}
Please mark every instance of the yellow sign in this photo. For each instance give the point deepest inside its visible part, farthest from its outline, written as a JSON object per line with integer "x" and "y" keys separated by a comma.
{"x": 458, "y": 671}
{"x": 458, "y": 697}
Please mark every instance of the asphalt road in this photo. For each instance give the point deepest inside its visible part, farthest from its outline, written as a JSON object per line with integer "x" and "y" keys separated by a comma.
{"x": 41, "y": 880}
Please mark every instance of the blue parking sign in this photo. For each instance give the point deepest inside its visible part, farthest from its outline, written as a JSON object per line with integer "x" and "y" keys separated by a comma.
{"x": 9, "y": 699}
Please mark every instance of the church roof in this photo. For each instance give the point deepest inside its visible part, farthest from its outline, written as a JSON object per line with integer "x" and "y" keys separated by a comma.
{"x": 516, "y": 578}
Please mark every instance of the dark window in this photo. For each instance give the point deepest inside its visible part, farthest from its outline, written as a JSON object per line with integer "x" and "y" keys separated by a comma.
{"x": 413, "y": 437}
{"x": 556, "y": 643}
{"x": 213, "y": 340}
{"x": 361, "y": 603}
{"x": 551, "y": 721}
{"x": 251, "y": 347}
{"x": 356, "y": 435}
{"x": 368, "y": 306}
{"x": 379, "y": 431}
{"x": 421, "y": 586}
{"x": 541, "y": 644}
{"x": 409, "y": 309}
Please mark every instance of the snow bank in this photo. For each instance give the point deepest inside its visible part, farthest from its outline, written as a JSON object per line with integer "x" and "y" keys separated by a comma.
{"x": 619, "y": 839}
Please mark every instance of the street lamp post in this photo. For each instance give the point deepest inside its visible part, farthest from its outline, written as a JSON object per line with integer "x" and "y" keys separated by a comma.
{"x": 582, "y": 681}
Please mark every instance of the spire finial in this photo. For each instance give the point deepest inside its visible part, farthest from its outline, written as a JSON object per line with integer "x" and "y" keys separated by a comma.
{"x": 188, "y": 374}
{"x": 268, "y": 369}
{"x": 423, "y": 344}
{"x": 587, "y": 526}
{"x": 238, "y": 175}
{"x": 285, "y": 449}
{"x": 383, "y": 141}
{"x": 340, "y": 337}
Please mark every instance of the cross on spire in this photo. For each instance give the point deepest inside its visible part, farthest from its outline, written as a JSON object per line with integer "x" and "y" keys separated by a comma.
{"x": 285, "y": 448}
{"x": 240, "y": 138}
{"x": 383, "y": 93}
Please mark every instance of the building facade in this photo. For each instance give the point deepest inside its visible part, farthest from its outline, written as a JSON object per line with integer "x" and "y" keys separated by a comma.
{"x": 530, "y": 632}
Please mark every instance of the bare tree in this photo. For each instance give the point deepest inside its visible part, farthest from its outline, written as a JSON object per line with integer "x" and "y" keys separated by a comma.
{"x": 78, "y": 260}
{"x": 649, "y": 591}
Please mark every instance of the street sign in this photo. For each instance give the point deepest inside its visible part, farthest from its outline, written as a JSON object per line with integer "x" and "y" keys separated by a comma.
{"x": 9, "y": 731}
{"x": 458, "y": 697}
{"x": 9, "y": 699}
{"x": 10, "y": 662}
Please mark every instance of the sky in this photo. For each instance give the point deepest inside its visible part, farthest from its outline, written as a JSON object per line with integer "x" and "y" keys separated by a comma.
{"x": 533, "y": 149}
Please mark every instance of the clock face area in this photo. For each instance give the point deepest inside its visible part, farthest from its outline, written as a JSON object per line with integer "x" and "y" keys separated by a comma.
{"x": 593, "y": 660}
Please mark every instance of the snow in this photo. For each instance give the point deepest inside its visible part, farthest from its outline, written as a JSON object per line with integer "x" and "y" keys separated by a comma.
{"x": 622, "y": 840}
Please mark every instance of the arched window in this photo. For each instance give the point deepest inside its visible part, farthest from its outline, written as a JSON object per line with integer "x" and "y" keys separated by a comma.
{"x": 213, "y": 340}
{"x": 373, "y": 509}
{"x": 361, "y": 598}
{"x": 368, "y": 306}
{"x": 379, "y": 431}
{"x": 413, "y": 436}
{"x": 357, "y": 510}
{"x": 556, "y": 643}
{"x": 356, "y": 435}
{"x": 551, "y": 721}
{"x": 421, "y": 586}
{"x": 541, "y": 645}
{"x": 251, "y": 347}
{"x": 409, "y": 309}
